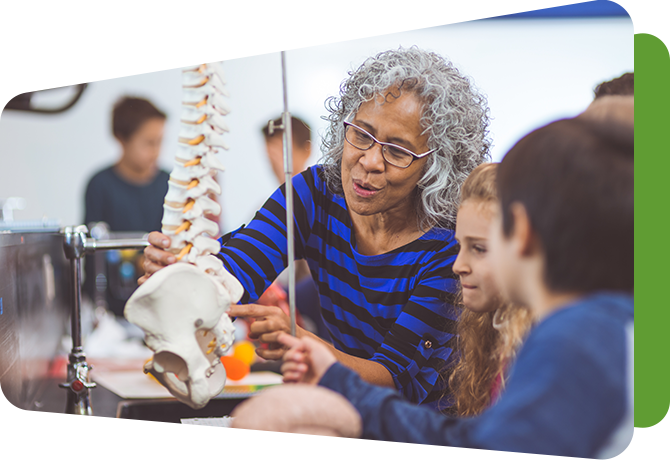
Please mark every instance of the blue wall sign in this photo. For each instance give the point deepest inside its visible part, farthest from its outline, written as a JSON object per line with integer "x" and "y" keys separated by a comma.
{"x": 159, "y": 11}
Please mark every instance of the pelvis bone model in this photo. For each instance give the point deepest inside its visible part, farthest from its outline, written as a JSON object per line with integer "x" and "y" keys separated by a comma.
{"x": 183, "y": 308}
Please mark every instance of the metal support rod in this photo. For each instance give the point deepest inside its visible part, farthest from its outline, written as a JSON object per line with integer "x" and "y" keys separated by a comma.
{"x": 93, "y": 245}
{"x": 77, "y": 385}
{"x": 75, "y": 320}
{"x": 288, "y": 173}
{"x": 76, "y": 245}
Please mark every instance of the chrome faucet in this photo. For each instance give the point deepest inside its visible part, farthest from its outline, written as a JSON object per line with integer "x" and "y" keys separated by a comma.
{"x": 76, "y": 245}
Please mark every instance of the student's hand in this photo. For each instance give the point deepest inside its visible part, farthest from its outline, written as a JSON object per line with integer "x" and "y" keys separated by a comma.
{"x": 306, "y": 361}
{"x": 155, "y": 256}
{"x": 269, "y": 322}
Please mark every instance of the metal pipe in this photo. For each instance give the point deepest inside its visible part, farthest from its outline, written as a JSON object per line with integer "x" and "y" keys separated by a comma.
{"x": 288, "y": 173}
{"x": 75, "y": 321}
{"x": 76, "y": 245}
{"x": 77, "y": 385}
{"x": 93, "y": 245}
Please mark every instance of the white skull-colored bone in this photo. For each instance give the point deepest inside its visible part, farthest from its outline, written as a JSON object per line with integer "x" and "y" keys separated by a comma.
{"x": 201, "y": 250}
{"x": 196, "y": 92}
{"x": 213, "y": 266}
{"x": 182, "y": 310}
{"x": 187, "y": 152}
{"x": 200, "y": 246}
{"x": 205, "y": 114}
{"x": 200, "y": 67}
{"x": 198, "y": 79}
{"x": 188, "y": 173}
{"x": 213, "y": 124}
{"x": 175, "y": 215}
{"x": 179, "y": 193}
{"x": 206, "y": 155}
{"x": 195, "y": 63}
{"x": 199, "y": 226}
{"x": 195, "y": 96}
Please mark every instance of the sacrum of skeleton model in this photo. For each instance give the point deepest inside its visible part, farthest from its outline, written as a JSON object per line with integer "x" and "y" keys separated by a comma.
{"x": 183, "y": 307}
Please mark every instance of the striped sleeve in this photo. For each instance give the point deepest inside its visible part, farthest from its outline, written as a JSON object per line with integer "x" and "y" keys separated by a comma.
{"x": 420, "y": 343}
{"x": 256, "y": 254}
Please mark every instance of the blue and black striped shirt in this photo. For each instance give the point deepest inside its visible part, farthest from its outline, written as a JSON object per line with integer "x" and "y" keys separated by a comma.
{"x": 395, "y": 308}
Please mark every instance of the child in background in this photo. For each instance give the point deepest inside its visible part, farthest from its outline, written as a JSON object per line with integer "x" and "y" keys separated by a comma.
{"x": 490, "y": 330}
{"x": 128, "y": 196}
{"x": 562, "y": 244}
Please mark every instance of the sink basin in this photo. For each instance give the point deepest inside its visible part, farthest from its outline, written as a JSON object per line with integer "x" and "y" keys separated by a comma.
{"x": 151, "y": 412}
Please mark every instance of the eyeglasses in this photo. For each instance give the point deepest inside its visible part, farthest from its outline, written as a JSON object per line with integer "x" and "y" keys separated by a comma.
{"x": 392, "y": 153}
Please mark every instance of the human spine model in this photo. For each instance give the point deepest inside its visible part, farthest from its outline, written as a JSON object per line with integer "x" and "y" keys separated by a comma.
{"x": 182, "y": 308}
{"x": 192, "y": 179}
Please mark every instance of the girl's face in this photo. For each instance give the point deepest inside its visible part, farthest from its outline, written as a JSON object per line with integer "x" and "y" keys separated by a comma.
{"x": 473, "y": 264}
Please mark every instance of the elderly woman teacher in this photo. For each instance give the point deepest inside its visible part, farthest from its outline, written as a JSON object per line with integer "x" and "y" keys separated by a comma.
{"x": 374, "y": 221}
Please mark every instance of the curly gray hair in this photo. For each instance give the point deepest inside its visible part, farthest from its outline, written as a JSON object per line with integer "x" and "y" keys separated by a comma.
{"x": 455, "y": 116}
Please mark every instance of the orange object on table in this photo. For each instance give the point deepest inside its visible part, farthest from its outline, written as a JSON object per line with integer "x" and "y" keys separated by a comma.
{"x": 236, "y": 369}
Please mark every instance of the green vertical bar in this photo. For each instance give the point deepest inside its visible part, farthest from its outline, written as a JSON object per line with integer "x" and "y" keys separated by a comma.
{"x": 652, "y": 230}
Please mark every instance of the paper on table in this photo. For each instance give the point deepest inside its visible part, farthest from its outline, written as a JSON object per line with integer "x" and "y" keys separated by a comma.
{"x": 137, "y": 385}
{"x": 209, "y": 421}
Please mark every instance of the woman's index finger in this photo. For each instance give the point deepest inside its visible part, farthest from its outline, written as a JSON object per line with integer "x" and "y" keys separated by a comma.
{"x": 251, "y": 310}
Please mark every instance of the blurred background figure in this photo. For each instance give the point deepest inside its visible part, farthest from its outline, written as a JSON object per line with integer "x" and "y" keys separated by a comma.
{"x": 302, "y": 147}
{"x": 614, "y": 101}
{"x": 128, "y": 197}
{"x": 307, "y": 296}
{"x": 621, "y": 86}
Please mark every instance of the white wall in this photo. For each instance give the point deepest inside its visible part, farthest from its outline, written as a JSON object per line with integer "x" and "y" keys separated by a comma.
{"x": 533, "y": 72}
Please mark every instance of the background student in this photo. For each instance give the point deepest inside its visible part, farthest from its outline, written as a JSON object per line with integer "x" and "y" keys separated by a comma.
{"x": 128, "y": 195}
{"x": 307, "y": 295}
{"x": 614, "y": 101}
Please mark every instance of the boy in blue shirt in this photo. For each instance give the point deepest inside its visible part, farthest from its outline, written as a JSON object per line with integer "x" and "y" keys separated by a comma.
{"x": 562, "y": 245}
{"x": 128, "y": 196}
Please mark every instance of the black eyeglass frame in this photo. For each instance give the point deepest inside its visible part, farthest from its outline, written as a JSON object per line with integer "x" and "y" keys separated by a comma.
{"x": 384, "y": 144}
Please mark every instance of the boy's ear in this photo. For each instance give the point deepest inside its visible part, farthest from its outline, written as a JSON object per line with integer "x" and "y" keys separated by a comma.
{"x": 304, "y": 150}
{"x": 121, "y": 140}
{"x": 523, "y": 235}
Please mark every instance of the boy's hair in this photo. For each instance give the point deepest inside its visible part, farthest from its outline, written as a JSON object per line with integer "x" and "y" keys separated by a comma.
{"x": 621, "y": 86}
{"x": 481, "y": 183}
{"x": 130, "y": 113}
{"x": 300, "y": 131}
{"x": 617, "y": 109}
{"x": 484, "y": 350}
{"x": 574, "y": 177}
